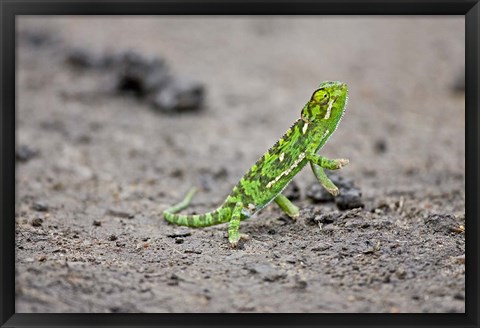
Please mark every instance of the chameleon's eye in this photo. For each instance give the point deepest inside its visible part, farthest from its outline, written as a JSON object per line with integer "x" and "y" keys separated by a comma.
{"x": 321, "y": 96}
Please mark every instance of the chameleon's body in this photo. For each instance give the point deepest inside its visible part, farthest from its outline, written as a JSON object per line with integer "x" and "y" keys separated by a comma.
{"x": 267, "y": 178}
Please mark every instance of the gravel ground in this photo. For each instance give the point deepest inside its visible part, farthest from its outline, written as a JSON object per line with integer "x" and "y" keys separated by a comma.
{"x": 97, "y": 165}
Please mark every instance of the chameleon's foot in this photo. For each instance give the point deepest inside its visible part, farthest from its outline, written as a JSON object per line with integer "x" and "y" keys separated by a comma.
{"x": 234, "y": 241}
{"x": 234, "y": 225}
{"x": 342, "y": 162}
{"x": 326, "y": 163}
{"x": 335, "y": 164}
{"x": 295, "y": 216}
{"x": 324, "y": 179}
{"x": 333, "y": 190}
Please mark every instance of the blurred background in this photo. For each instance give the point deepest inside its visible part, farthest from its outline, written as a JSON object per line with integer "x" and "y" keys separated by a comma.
{"x": 118, "y": 117}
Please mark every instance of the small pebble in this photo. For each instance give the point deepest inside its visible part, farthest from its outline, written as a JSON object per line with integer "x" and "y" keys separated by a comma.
{"x": 80, "y": 58}
{"x": 401, "y": 273}
{"x": 192, "y": 251}
{"x": 112, "y": 238}
{"x": 179, "y": 233}
{"x": 380, "y": 146}
{"x": 120, "y": 214}
{"x": 37, "y": 38}
{"x": 24, "y": 153}
{"x": 291, "y": 259}
{"x": 459, "y": 259}
{"x": 37, "y": 222}
{"x": 459, "y": 296}
{"x": 179, "y": 95}
{"x": 40, "y": 207}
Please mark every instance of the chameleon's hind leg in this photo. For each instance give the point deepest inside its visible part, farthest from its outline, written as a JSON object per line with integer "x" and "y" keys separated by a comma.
{"x": 324, "y": 179}
{"x": 233, "y": 235}
{"x": 184, "y": 203}
{"x": 287, "y": 206}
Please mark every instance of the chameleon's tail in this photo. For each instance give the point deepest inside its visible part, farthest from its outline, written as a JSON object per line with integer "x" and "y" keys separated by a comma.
{"x": 192, "y": 220}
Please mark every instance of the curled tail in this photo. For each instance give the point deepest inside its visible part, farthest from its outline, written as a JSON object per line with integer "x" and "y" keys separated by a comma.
{"x": 220, "y": 215}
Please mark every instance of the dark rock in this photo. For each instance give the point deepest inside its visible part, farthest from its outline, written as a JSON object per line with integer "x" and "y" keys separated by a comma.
{"x": 37, "y": 222}
{"x": 192, "y": 251}
{"x": 321, "y": 248}
{"x": 221, "y": 173}
{"x": 37, "y": 38}
{"x": 147, "y": 78}
{"x": 179, "y": 233}
{"x": 120, "y": 214}
{"x": 401, "y": 273}
{"x": 179, "y": 240}
{"x": 349, "y": 199}
{"x": 300, "y": 283}
{"x": 179, "y": 94}
{"x": 141, "y": 75}
{"x": 24, "y": 153}
{"x": 292, "y": 192}
{"x": 318, "y": 194}
{"x": 176, "y": 173}
{"x": 112, "y": 238}
{"x": 291, "y": 259}
{"x": 380, "y": 146}
{"x": 40, "y": 207}
{"x": 80, "y": 58}
{"x": 442, "y": 223}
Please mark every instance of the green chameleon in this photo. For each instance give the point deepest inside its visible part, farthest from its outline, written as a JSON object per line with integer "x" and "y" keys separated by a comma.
{"x": 269, "y": 176}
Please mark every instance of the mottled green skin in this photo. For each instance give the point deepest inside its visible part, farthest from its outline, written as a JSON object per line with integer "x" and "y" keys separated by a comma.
{"x": 267, "y": 178}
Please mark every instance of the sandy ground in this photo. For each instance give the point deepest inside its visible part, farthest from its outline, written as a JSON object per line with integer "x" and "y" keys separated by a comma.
{"x": 96, "y": 169}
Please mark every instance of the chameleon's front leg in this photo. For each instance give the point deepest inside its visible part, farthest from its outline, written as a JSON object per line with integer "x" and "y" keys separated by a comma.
{"x": 234, "y": 224}
{"x": 287, "y": 206}
{"x": 318, "y": 162}
{"x": 324, "y": 179}
{"x": 326, "y": 163}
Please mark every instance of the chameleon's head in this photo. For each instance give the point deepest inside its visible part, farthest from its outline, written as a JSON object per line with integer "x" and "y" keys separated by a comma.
{"x": 327, "y": 103}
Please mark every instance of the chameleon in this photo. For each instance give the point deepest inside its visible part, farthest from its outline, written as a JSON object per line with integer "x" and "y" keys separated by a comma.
{"x": 272, "y": 172}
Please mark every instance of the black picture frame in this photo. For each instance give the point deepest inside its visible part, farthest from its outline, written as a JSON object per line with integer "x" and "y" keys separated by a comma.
{"x": 10, "y": 9}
